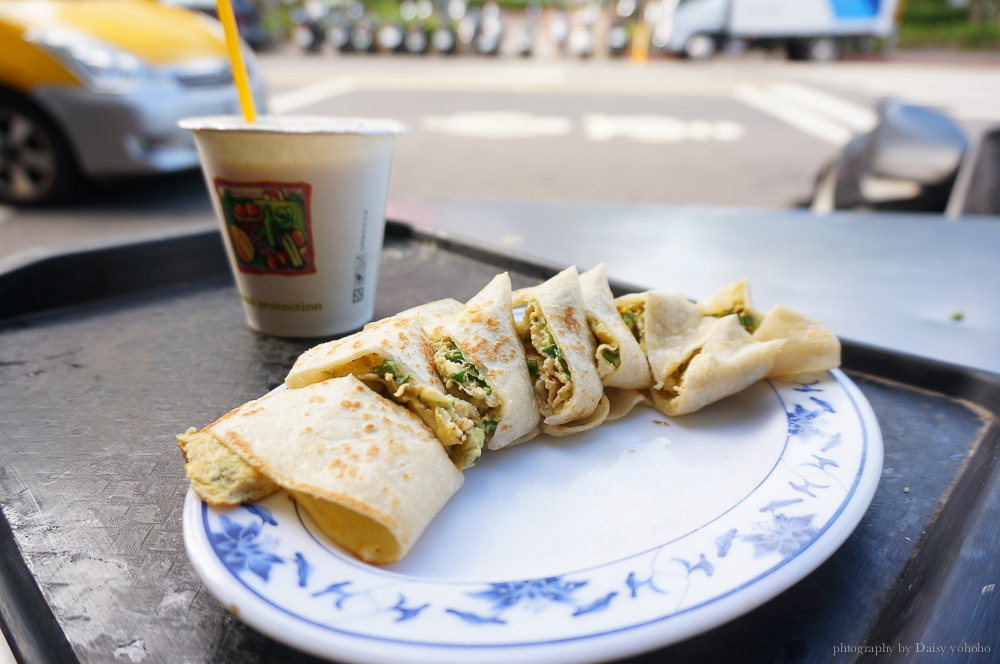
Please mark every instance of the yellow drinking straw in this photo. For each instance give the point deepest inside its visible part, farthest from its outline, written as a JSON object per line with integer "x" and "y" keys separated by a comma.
{"x": 228, "y": 19}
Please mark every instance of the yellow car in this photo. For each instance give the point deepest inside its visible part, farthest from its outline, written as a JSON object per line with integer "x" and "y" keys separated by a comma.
{"x": 95, "y": 89}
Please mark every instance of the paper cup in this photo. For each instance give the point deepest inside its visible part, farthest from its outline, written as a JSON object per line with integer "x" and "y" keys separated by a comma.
{"x": 301, "y": 206}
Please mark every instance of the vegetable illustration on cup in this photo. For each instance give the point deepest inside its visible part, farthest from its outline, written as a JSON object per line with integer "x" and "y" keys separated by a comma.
{"x": 269, "y": 225}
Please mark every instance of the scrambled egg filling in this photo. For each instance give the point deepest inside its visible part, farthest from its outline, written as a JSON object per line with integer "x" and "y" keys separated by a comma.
{"x": 455, "y": 422}
{"x": 608, "y": 353}
{"x": 673, "y": 385}
{"x": 747, "y": 320}
{"x": 463, "y": 379}
{"x": 546, "y": 363}
{"x": 634, "y": 319}
{"x": 217, "y": 474}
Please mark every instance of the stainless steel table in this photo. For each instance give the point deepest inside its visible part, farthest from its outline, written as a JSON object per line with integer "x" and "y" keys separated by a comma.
{"x": 913, "y": 283}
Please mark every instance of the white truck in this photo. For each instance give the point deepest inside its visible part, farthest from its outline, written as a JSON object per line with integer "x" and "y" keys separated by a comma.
{"x": 810, "y": 29}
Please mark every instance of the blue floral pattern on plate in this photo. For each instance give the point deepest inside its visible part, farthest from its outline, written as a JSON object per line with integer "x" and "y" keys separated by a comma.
{"x": 279, "y": 566}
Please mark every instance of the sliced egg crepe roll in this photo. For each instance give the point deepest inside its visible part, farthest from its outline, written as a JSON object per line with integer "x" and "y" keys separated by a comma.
{"x": 729, "y": 361}
{"x": 394, "y": 356}
{"x": 598, "y": 417}
{"x": 732, "y": 299}
{"x": 480, "y": 359}
{"x": 694, "y": 359}
{"x": 560, "y": 351}
{"x": 809, "y": 345}
{"x": 620, "y": 361}
{"x": 367, "y": 470}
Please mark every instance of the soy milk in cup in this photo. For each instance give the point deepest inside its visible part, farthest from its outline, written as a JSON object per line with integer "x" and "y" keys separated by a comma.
{"x": 301, "y": 206}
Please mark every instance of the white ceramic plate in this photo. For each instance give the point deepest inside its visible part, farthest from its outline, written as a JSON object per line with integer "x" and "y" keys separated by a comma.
{"x": 627, "y": 538}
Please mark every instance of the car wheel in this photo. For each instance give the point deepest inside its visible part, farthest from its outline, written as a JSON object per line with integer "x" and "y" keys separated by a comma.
{"x": 36, "y": 165}
{"x": 822, "y": 49}
{"x": 699, "y": 47}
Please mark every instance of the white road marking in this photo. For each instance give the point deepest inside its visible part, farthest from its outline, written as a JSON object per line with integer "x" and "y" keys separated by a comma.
{"x": 799, "y": 117}
{"x": 985, "y": 112}
{"x": 512, "y": 79}
{"x": 498, "y": 124}
{"x": 299, "y": 98}
{"x": 596, "y": 127}
{"x": 658, "y": 129}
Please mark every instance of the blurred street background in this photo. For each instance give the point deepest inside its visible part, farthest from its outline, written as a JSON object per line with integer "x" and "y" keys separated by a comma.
{"x": 572, "y": 102}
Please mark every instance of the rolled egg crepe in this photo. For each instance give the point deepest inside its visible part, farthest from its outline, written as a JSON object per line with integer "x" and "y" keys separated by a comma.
{"x": 809, "y": 345}
{"x": 619, "y": 358}
{"x": 432, "y": 315}
{"x": 598, "y": 417}
{"x": 367, "y": 470}
{"x": 394, "y": 356}
{"x": 732, "y": 299}
{"x": 560, "y": 351}
{"x": 729, "y": 361}
{"x": 694, "y": 359}
{"x": 480, "y": 359}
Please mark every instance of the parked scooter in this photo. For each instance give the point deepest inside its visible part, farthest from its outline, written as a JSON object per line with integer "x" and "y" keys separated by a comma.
{"x": 490, "y": 31}
{"x": 361, "y": 38}
{"x": 617, "y": 39}
{"x": 389, "y": 37}
{"x": 532, "y": 14}
{"x": 559, "y": 29}
{"x": 581, "y": 37}
{"x": 445, "y": 40}
{"x": 310, "y": 31}
{"x": 909, "y": 161}
{"x": 416, "y": 40}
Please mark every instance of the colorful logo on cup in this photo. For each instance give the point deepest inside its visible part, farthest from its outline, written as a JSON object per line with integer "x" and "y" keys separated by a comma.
{"x": 268, "y": 225}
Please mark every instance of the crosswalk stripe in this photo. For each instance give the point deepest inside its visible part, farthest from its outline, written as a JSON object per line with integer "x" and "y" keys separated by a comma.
{"x": 963, "y": 95}
{"x": 799, "y": 117}
{"x": 299, "y": 98}
{"x": 857, "y": 117}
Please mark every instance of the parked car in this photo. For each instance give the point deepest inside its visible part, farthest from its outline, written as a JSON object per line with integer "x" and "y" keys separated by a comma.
{"x": 249, "y": 21}
{"x": 95, "y": 89}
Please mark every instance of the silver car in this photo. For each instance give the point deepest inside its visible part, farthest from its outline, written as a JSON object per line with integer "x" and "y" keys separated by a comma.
{"x": 84, "y": 98}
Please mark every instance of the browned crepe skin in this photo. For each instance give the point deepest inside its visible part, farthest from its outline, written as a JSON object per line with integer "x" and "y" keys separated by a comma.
{"x": 432, "y": 315}
{"x": 561, "y": 302}
{"x": 483, "y": 331}
{"x": 367, "y": 470}
{"x": 400, "y": 339}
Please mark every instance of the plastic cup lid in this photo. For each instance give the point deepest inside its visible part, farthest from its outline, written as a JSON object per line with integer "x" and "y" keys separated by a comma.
{"x": 295, "y": 124}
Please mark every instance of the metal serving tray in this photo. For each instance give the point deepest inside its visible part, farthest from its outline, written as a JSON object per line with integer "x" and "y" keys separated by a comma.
{"x": 106, "y": 354}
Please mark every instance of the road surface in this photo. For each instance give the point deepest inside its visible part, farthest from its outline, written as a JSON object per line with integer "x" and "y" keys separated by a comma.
{"x": 750, "y": 131}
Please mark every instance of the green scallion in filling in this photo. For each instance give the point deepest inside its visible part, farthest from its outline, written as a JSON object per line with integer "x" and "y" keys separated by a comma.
{"x": 612, "y": 355}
